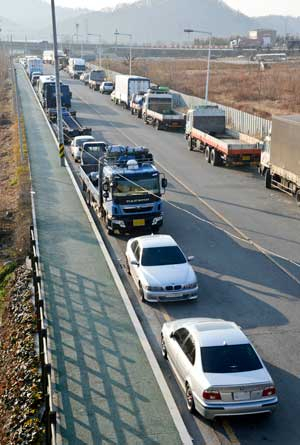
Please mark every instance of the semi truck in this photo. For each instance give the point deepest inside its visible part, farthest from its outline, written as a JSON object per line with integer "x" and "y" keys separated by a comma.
{"x": 126, "y": 86}
{"x": 34, "y": 65}
{"x": 158, "y": 110}
{"x": 76, "y": 67}
{"x": 125, "y": 189}
{"x": 206, "y": 131}
{"x": 280, "y": 158}
{"x": 46, "y": 92}
{"x": 96, "y": 77}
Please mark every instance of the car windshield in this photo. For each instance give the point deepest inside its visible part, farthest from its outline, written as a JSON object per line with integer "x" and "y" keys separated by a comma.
{"x": 79, "y": 67}
{"x": 97, "y": 75}
{"x": 108, "y": 84}
{"x": 229, "y": 358}
{"x": 136, "y": 186}
{"x": 80, "y": 142}
{"x": 162, "y": 256}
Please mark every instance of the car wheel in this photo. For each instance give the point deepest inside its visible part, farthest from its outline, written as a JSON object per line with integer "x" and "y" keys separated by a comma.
{"x": 189, "y": 399}
{"x": 141, "y": 292}
{"x": 163, "y": 347}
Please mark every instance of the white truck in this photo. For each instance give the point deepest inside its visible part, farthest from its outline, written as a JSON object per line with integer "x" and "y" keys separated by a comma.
{"x": 126, "y": 86}
{"x": 158, "y": 110}
{"x": 48, "y": 56}
{"x": 76, "y": 67}
{"x": 280, "y": 158}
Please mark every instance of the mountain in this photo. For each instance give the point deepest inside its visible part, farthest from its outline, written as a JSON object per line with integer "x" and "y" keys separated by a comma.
{"x": 164, "y": 20}
{"x": 282, "y": 24}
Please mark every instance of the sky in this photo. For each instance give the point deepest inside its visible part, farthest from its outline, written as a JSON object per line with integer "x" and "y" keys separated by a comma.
{"x": 249, "y": 7}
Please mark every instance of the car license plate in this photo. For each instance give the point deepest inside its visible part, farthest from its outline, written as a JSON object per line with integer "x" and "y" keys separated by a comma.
{"x": 246, "y": 158}
{"x": 138, "y": 222}
{"x": 241, "y": 395}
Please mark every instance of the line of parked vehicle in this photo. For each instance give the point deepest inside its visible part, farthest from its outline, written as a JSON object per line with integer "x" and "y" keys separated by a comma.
{"x": 216, "y": 365}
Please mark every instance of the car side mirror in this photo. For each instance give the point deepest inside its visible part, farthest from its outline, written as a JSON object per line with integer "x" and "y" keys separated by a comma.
{"x": 106, "y": 195}
{"x": 190, "y": 258}
{"x": 134, "y": 263}
{"x": 164, "y": 183}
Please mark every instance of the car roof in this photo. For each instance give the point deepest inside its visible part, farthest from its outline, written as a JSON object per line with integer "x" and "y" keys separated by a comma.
{"x": 86, "y": 138}
{"x": 156, "y": 241}
{"x": 213, "y": 332}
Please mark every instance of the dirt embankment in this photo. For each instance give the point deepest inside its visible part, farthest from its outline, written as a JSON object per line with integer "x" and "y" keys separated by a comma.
{"x": 275, "y": 90}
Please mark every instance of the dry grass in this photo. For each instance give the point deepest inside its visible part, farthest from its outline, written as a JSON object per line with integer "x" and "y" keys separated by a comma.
{"x": 272, "y": 91}
{"x": 15, "y": 207}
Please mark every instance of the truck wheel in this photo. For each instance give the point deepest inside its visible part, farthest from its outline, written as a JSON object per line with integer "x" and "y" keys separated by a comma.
{"x": 214, "y": 158}
{"x": 207, "y": 154}
{"x": 190, "y": 144}
{"x": 298, "y": 197}
{"x": 157, "y": 125}
{"x": 268, "y": 179}
{"x": 132, "y": 112}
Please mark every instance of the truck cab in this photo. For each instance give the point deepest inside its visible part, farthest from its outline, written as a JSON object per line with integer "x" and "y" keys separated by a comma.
{"x": 96, "y": 78}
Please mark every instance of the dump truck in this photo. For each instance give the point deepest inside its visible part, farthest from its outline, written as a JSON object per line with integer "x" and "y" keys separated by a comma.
{"x": 280, "y": 157}
{"x": 126, "y": 86}
{"x": 206, "y": 131}
{"x": 125, "y": 189}
{"x": 158, "y": 110}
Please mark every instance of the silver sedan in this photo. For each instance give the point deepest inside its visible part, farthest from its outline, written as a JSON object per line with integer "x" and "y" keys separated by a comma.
{"x": 217, "y": 367}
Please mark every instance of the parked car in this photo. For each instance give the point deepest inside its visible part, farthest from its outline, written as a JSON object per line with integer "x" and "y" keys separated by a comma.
{"x": 76, "y": 146}
{"x": 160, "y": 269}
{"x": 85, "y": 77}
{"x": 106, "y": 87}
{"x": 217, "y": 367}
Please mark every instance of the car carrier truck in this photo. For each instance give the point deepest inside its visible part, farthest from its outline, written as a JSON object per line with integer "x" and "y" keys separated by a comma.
{"x": 127, "y": 86}
{"x": 158, "y": 110}
{"x": 206, "y": 131}
{"x": 280, "y": 158}
{"x": 125, "y": 189}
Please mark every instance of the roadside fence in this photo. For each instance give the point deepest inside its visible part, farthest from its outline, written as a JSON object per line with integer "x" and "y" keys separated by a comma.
{"x": 49, "y": 414}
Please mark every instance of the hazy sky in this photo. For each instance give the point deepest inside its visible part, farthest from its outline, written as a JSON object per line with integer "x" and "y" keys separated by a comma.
{"x": 249, "y": 7}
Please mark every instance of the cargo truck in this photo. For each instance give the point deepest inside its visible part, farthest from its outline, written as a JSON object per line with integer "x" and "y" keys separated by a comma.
{"x": 125, "y": 189}
{"x": 158, "y": 110}
{"x": 280, "y": 158}
{"x": 34, "y": 65}
{"x": 96, "y": 77}
{"x": 76, "y": 67}
{"x": 126, "y": 86}
{"x": 206, "y": 131}
{"x": 46, "y": 92}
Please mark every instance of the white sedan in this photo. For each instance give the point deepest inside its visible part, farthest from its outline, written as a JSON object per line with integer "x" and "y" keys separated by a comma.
{"x": 160, "y": 270}
{"x": 106, "y": 87}
{"x": 217, "y": 367}
{"x": 76, "y": 146}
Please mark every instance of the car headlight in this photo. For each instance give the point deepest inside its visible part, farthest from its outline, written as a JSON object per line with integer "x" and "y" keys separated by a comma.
{"x": 191, "y": 285}
{"x": 154, "y": 288}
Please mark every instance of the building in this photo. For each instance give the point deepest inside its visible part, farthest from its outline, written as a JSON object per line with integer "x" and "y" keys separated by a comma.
{"x": 266, "y": 37}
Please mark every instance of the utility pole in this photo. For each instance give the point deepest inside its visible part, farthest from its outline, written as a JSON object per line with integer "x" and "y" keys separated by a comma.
{"x": 58, "y": 94}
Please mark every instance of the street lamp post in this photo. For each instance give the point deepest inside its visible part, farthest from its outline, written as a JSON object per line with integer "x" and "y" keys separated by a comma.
{"x": 117, "y": 33}
{"x": 57, "y": 87}
{"x": 99, "y": 48}
{"x": 208, "y": 56}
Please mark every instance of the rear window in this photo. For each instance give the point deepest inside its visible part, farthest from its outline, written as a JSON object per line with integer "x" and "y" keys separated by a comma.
{"x": 162, "y": 256}
{"x": 229, "y": 358}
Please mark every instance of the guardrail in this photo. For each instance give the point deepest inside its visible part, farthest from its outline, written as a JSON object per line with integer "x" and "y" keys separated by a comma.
{"x": 49, "y": 414}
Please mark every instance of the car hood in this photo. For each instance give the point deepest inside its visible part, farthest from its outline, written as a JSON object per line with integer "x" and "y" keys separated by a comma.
{"x": 238, "y": 378}
{"x": 168, "y": 275}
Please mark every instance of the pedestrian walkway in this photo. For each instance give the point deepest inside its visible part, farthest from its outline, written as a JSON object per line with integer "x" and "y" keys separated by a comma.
{"x": 106, "y": 389}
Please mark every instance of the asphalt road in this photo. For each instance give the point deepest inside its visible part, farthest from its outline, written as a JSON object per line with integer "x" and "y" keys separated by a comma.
{"x": 237, "y": 281}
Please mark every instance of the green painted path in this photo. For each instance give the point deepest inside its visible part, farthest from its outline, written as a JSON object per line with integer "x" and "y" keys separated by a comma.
{"x": 106, "y": 390}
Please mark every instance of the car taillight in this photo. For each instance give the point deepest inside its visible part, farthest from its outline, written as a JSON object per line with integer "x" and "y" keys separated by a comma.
{"x": 211, "y": 395}
{"x": 270, "y": 391}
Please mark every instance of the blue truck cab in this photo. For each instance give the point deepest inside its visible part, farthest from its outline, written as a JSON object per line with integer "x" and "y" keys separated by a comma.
{"x": 130, "y": 189}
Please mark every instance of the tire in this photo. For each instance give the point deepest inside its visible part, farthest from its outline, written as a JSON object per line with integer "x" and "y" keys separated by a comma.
{"x": 190, "y": 144}
{"x": 207, "y": 154}
{"x": 141, "y": 292}
{"x": 298, "y": 197}
{"x": 214, "y": 158}
{"x": 157, "y": 125}
{"x": 268, "y": 179}
{"x": 108, "y": 229}
{"x": 163, "y": 347}
{"x": 189, "y": 399}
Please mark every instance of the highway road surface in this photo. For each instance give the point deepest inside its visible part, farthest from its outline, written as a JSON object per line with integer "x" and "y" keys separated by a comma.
{"x": 252, "y": 278}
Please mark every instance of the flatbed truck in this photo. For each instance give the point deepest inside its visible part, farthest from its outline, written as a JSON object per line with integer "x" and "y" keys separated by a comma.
{"x": 206, "y": 131}
{"x": 125, "y": 189}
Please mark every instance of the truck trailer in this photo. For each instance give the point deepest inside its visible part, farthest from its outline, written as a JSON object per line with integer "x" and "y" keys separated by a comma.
{"x": 125, "y": 189}
{"x": 280, "y": 158}
{"x": 158, "y": 110}
{"x": 127, "y": 86}
{"x": 34, "y": 65}
{"x": 206, "y": 131}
